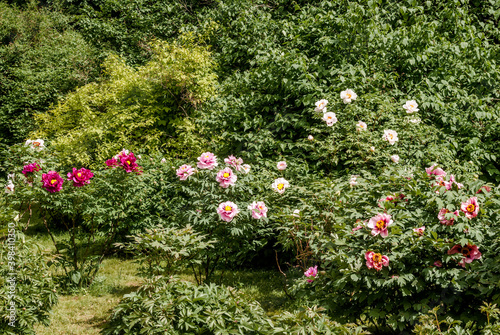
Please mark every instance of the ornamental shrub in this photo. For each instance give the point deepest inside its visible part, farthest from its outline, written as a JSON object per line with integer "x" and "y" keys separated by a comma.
{"x": 177, "y": 307}
{"x": 151, "y": 107}
{"x": 347, "y": 235}
{"x": 34, "y": 289}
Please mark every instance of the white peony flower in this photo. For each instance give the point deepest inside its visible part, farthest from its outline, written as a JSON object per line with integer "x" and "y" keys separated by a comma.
{"x": 280, "y": 185}
{"x": 372, "y": 149}
{"x": 10, "y": 187}
{"x": 353, "y": 181}
{"x": 391, "y": 136}
{"x": 361, "y": 126}
{"x": 296, "y": 213}
{"x": 245, "y": 168}
{"x": 321, "y": 105}
{"x": 348, "y": 96}
{"x": 163, "y": 160}
{"x": 411, "y": 106}
{"x": 395, "y": 158}
{"x": 310, "y": 137}
{"x": 28, "y": 142}
{"x": 281, "y": 165}
{"x": 330, "y": 118}
{"x": 416, "y": 121}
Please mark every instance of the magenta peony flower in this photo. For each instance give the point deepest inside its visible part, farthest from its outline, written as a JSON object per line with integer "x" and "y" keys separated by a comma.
{"x": 470, "y": 253}
{"x": 442, "y": 217}
{"x": 226, "y": 177}
{"x": 311, "y": 272}
{"x": 234, "y": 162}
{"x": 433, "y": 171}
{"x": 112, "y": 162}
{"x": 31, "y": 168}
{"x": 128, "y": 162}
{"x": 52, "y": 181}
{"x": 80, "y": 177}
{"x": 419, "y": 231}
{"x": 379, "y": 224}
{"x": 258, "y": 209}
{"x": 470, "y": 208}
{"x": 184, "y": 171}
{"x": 207, "y": 160}
{"x": 376, "y": 260}
{"x": 227, "y": 211}
{"x": 281, "y": 165}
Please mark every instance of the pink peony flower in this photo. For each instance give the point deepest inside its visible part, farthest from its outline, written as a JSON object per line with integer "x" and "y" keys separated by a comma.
{"x": 234, "y": 162}
{"x": 184, "y": 171}
{"x": 281, "y": 165}
{"x": 311, "y": 272}
{"x": 442, "y": 217}
{"x": 227, "y": 211}
{"x": 226, "y": 177}
{"x": 379, "y": 224}
{"x": 376, "y": 260}
{"x": 310, "y": 137}
{"x": 52, "y": 181}
{"x": 31, "y": 168}
{"x": 419, "y": 231}
{"x": 395, "y": 158}
{"x": 128, "y": 162}
{"x": 438, "y": 264}
{"x": 357, "y": 228}
{"x": 433, "y": 171}
{"x": 258, "y": 209}
{"x": 280, "y": 185}
{"x": 484, "y": 189}
{"x": 80, "y": 177}
{"x": 470, "y": 253}
{"x": 470, "y": 208}
{"x": 207, "y": 160}
{"x": 112, "y": 162}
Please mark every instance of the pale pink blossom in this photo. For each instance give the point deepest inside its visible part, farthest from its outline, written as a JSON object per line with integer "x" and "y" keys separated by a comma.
{"x": 281, "y": 165}
{"x": 280, "y": 185}
{"x": 357, "y": 228}
{"x": 391, "y": 136}
{"x": 226, "y": 177}
{"x": 379, "y": 223}
{"x": 442, "y": 217}
{"x": 310, "y": 137}
{"x": 470, "y": 208}
{"x": 361, "y": 126}
{"x": 470, "y": 252}
{"x": 348, "y": 96}
{"x": 321, "y": 105}
{"x": 330, "y": 118}
{"x": 395, "y": 158}
{"x": 376, "y": 260}
{"x": 227, "y": 211}
{"x": 353, "y": 181}
{"x": 207, "y": 160}
{"x": 184, "y": 171}
{"x": 163, "y": 161}
{"x": 259, "y": 209}
{"x": 234, "y": 162}
{"x": 411, "y": 106}
{"x": 419, "y": 231}
{"x": 311, "y": 272}
{"x": 245, "y": 168}
{"x": 435, "y": 171}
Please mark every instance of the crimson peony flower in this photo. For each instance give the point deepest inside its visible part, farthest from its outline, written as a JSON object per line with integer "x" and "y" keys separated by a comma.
{"x": 52, "y": 181}
{"x": 31, "y": 168}
{"x": 80, "y": 177}
{"x": 112, "y": 162}
{"x": 128, "y": 162}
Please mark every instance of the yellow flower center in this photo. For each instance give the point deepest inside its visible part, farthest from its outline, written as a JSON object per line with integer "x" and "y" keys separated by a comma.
{"x": 380, "y": 224}
{"x": 226, "y": 174}
{"x": 128, "y": 162}
{"x": 36, "y": 144}
{"x": 411, "y": 106}
{"x": 471, "y": 208}
{"x": 465, "y": 251}
{"x": 53, "y": 181}
{"x": 390, "y": 136}
{"x": 377, "y": 258}
{"x": 280, "y": 186}
{"x": 227, "y": 208}
{"x": 348, "y": 96}
{"x": 207, "y": 156}
{"x": 79, "y": 174}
